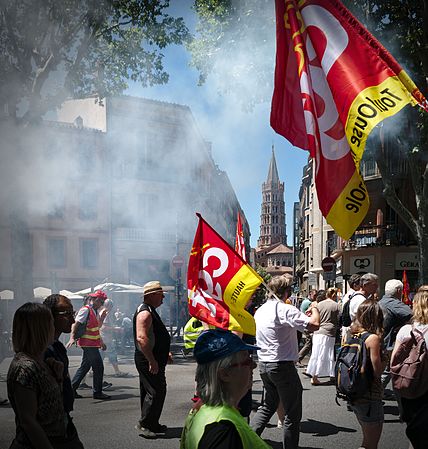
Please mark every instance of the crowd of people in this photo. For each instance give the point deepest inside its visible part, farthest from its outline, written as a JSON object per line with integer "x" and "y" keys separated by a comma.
{"x": 42, "y": 394}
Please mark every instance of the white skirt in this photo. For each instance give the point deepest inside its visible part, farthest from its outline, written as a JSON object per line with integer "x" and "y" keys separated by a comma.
{"x": 321, "y": 363}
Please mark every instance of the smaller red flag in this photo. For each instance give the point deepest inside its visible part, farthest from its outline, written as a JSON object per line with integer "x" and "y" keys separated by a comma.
{"x": 220, "y": 282}
{"x": 239, "y": 240}
{"x": 406, "y": 289}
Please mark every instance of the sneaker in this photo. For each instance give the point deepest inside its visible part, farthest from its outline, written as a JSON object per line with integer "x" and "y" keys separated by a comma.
{"x": 146, "y": 433}
{"x": 84, "y": 386}
{"x": 280, "y": 424}
{"x": 107, "y": 385}
{"x": 120, "y": 374}
{"x": 160, "y": 428}
{"x": 101, "y": 396}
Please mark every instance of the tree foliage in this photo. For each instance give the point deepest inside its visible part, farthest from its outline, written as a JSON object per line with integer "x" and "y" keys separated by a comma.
{"x": 235, "y": 42}
{"x": 51, "y": 50}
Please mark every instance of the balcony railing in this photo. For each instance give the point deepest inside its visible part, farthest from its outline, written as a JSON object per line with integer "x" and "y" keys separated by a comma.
{"x": 381, "y": 235}
{"x": 143, "y": 235}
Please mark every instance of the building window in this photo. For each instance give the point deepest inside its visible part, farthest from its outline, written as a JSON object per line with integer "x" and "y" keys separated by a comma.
{"x": 56, "y": 253}
{"x": 86, "y": 157}
{"x": 88, "y": 206}
{"x": 57, "y": 212}
{"x": 89, "y": 253}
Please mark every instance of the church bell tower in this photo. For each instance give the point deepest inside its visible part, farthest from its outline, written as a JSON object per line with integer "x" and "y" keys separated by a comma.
{"x": 272, "y": 216}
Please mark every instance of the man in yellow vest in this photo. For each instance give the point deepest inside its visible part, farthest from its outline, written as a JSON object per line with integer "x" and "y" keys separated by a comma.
{"x": 86, "y": 331}
{"x": 192, "y": 330}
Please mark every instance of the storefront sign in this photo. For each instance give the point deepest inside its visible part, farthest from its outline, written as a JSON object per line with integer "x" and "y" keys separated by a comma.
{"x": 362, "y": 264}
{"x": 407, "y": 261}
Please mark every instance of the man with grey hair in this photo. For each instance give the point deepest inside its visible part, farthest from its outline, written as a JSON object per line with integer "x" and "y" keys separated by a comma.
{"x": 395, "y": 315}
{"x": 369, "y": 284}
{"x": 277, "y": 324}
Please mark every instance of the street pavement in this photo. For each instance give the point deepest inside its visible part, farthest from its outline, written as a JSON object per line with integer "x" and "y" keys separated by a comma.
{"x": 110, "y": 424}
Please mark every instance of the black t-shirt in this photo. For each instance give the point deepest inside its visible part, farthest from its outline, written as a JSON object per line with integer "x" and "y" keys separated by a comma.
{"x": 220, "y": 435}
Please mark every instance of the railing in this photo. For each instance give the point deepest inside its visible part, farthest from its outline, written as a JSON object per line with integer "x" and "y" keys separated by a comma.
{"x": 143, "y": 235}
{"x": 381, "y": 235}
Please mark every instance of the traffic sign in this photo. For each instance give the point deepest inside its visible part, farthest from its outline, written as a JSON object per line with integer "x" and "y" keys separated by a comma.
{"x": 328, "y": 264}
{"x": 329, "y": 275}
{"x": 177, "y": 261}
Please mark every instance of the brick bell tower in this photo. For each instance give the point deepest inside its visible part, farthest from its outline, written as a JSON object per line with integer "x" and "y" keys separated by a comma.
{"x": 272, "y": 216}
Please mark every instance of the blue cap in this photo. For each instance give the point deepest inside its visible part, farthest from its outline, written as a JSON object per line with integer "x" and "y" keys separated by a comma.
{"x": 216, "y": 344}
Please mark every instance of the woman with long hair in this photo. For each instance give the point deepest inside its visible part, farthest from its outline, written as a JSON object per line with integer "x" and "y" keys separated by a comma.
{"x": 321, "y": 363}
{"x": 369, "y": 409}
{"x": 223, "y": 376}
{"x": 415, "y": 411}
{"x": 33, "y": 386}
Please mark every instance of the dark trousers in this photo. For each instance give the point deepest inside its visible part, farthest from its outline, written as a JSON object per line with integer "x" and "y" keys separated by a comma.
{"x": 281, "y": 382}
{"x": 91, "y": 358}
{"x": 152, "y": 392}
{"x": 307, "y": 347}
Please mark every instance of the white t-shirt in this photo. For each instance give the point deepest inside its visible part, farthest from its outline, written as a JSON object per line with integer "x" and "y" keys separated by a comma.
{"x": 356, "y": 300}
{"x": 404, "y": 332}
{"x": 276, "y": 331}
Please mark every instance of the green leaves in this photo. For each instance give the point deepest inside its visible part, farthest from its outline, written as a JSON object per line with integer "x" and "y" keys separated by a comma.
{"x": 94, "y": 48}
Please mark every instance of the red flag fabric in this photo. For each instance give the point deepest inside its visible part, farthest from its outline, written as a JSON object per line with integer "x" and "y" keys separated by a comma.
{"x": 334, "y": 82}
{"x": 239, "y": 240}
{"x": 406, "y": 289}
{"x": 220, "y": 283}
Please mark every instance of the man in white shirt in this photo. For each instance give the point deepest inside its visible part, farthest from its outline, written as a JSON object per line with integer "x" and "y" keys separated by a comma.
{"x": 369, "y": 285}
{"x": 277, "y": 324}
{"x": 354, "y": 285}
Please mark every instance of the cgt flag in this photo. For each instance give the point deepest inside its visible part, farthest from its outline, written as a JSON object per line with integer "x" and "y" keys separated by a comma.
{"x": 406, "y": 289}
{"x": 334, "y": 82}
{"x": 239, "y": 240}
{"x": 219, "y": 282}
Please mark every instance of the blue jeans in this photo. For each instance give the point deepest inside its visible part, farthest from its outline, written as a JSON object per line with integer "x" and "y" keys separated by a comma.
{"x": 91, "y": 358}
{"x": 281, "y": 382}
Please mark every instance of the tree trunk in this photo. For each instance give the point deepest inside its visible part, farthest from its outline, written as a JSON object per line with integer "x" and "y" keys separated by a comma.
{"x": 423, "y": 259}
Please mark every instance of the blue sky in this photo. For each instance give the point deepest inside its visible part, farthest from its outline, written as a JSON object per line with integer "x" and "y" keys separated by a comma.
{"x": 241, "y": 141}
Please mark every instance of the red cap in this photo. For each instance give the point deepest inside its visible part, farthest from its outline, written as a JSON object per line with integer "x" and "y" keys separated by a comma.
{"x": 98, "y": 294}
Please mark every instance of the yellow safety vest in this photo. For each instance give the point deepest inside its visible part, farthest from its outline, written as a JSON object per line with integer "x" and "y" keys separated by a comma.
{"x": 192, "y": 330}
{"x": 196, "y": 421}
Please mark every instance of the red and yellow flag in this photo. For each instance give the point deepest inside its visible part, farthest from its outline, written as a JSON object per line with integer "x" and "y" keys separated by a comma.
{"x": 220, "y": 283}
{"x": 239, "y": 240}
{"x": 334, "y": 82}
{"x": 406, "y": 289}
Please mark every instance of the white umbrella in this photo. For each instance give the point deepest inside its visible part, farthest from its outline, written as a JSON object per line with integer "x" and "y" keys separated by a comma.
{"x": 70, "y": 295}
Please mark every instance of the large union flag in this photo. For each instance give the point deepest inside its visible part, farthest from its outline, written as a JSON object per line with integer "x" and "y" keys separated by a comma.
{"x": 334, "y": 82}
{"x": 220, "y": 283}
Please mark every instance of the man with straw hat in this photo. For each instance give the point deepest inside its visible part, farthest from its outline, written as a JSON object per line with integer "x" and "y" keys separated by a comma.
{"x": 152, "y": 344}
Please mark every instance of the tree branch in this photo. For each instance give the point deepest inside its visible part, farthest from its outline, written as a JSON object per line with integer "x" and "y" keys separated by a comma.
{"x": 112, "y": 27}
{"x": 393, "y": 200}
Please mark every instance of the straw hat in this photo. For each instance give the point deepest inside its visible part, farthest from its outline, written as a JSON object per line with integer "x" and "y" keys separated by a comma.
{"x": 152, "y": 287}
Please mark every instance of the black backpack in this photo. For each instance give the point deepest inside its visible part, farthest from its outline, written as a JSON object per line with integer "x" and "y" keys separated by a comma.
{"x": 346, "y": 315}
{"x": 351, "y": 377}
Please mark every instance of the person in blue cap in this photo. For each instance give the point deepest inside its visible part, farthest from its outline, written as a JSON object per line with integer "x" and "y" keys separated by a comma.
{"x": 223, "y": 376}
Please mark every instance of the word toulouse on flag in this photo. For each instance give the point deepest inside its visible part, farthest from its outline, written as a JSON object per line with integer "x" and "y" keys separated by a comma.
{"x": 334, "y": 82}
{"x": 219, "y": 282}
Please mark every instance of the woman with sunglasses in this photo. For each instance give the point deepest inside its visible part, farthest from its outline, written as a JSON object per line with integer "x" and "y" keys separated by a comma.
{"x": 223, "y": 376}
